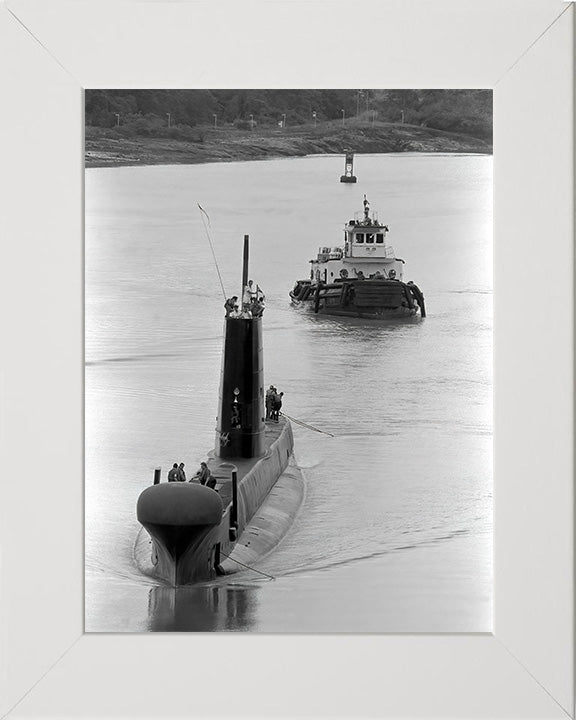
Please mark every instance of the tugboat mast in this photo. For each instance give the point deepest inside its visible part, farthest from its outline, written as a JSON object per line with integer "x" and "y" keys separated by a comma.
{"x": 366, "y": 211}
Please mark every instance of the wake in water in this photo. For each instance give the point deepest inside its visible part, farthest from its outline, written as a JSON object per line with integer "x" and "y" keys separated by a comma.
{"x": 130, "y": 358}
{"x": 324, "y": 566}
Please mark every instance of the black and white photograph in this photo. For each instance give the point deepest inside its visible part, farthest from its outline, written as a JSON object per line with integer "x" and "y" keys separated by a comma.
{"x": 288, "y": 360}
{"x": 286, "y": 427}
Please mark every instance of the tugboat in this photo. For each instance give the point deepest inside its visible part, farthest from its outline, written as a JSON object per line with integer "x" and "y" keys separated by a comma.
{"x": 348, "y": 176}
{"x": 363, "y": 278}
{"x": 193, "y": 532}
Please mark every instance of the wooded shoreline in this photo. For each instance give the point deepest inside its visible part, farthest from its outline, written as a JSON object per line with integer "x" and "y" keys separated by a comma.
{"x": 110, "y": 148}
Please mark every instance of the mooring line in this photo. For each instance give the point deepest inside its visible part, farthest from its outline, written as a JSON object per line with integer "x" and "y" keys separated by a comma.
{"x": 310, "y": 427}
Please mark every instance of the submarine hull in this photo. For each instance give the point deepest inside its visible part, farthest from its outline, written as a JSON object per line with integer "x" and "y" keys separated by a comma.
{"x": 181, "y": 518}
{"x": 192, "y": 529}
{"x": 172, "y": 546}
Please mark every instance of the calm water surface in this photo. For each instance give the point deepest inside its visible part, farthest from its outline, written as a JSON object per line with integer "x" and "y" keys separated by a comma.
{"x": 395, "y": 533}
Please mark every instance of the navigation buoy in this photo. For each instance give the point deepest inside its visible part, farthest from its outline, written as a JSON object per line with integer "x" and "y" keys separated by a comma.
{"x": 348, "y": 176}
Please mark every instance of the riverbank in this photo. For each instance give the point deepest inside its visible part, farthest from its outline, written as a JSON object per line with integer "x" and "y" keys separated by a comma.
{"x": 113, "y": 147}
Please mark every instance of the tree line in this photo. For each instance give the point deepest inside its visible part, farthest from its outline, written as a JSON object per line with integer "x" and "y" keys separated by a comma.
{"x": 151, "y": 112}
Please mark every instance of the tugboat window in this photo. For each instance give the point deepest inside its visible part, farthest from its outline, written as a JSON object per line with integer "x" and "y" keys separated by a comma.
{"x": 369, "y": 237}
{"x": 360, "y": 237}
{"x": 380, "y": 238}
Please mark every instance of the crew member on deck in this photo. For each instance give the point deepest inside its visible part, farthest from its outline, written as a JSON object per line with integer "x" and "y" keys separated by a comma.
{"x": 269, "y": 399}
{"x": 181, "y": 473}
{"x": 204, "y": 476}
{"x": 173, "y": 474}
{"x": 276, "y": 405}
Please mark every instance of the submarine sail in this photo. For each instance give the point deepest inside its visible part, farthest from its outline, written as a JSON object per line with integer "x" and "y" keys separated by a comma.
{"x": 241, "y": 426}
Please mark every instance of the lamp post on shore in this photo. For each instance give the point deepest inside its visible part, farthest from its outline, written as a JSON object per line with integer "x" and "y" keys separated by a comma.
{"x": 314, "y": 116}
{"x": 215, "y": 120}
{"x": 117, "y": 119}
{"x": 358, "y": 95}
{"x": 283, "y": 120}
{"x": 251, "y": 122}
{"x": 343, "y": 117}
{"x": 169, "y": 118}
{"x": 402, "y": 114}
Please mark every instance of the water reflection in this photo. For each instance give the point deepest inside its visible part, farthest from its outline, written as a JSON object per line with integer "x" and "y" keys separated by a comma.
{"x": 201, "y": 609}
{"x": 365, "y": 327}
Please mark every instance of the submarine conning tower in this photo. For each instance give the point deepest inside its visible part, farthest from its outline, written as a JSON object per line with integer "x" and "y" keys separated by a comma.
{"x": 240, "y": 430}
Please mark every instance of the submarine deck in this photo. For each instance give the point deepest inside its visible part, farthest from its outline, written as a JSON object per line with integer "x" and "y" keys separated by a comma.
{"x": 220, "y": 467}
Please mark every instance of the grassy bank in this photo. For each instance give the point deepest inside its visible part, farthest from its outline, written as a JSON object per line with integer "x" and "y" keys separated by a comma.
{"x": 114, "y": 147}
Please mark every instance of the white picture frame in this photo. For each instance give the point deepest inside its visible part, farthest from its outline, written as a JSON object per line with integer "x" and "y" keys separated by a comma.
{"x": 50, "y": 51}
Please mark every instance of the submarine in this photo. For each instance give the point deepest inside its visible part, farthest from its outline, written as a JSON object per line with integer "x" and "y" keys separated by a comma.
{"x": 193, "y": 532}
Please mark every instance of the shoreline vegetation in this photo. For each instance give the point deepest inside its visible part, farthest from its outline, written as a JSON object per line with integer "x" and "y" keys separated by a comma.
{"x": 106, "y": 147}
{"x": 153, "y": 127}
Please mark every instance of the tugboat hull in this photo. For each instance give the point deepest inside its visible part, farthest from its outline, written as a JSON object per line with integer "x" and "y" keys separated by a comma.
{"x": 368, "y": 313}
{"x": 378, "y": 299}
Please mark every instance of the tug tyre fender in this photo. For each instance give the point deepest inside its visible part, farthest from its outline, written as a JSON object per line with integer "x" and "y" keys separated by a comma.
{"x": 409, "y": 297}
{"x": 419, "y": 298}
{"x": 317, "y": 298}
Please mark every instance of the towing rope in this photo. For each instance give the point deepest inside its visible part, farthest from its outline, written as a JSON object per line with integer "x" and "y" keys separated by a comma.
{"x": 248, "y": 567}
{"x": 309, "y": 427}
